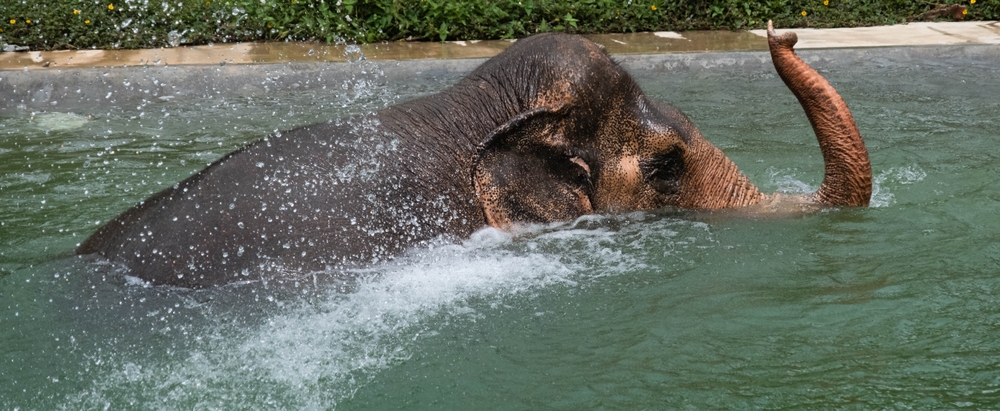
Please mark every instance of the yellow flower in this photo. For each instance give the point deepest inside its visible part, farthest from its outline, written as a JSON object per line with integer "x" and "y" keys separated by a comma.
{"x": 87, "y": 21}
{"x": 653, "y": 7}
{"x": 76, "y": 12}
{"x": 207, "y": 3}
{"x": 964, "y": 12}
{"x": 826, "y": 2}
{"x": 13, "y": 21}
{"x": 804, "y": 13}
{"x": 27, "y": 22}
{"x": 111, "y": 7}
{"x": 972, "y": 1}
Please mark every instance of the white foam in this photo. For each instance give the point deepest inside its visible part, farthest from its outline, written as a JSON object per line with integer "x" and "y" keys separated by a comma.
{"x": 60, "y": 121}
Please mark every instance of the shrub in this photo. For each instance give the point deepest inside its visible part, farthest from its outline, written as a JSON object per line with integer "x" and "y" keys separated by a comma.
{"x": 75, "y": 24}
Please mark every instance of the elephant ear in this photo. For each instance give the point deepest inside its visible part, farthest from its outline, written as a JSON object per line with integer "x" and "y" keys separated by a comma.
{"x": 527, "y": 171}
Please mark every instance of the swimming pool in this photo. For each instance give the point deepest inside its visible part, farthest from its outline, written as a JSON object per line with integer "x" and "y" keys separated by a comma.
{"x": 891, "y": 306}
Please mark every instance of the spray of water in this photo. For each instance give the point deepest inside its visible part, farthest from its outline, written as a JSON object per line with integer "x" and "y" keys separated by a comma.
{"x": 881, "y": 183}
{"x": 312, "y": 353}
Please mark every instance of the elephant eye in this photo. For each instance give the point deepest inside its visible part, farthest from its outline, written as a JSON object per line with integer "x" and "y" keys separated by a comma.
{"x": 664, "y": 172}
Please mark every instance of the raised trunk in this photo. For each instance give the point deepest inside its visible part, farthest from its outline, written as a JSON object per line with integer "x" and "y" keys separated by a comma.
{"x": 848, "y": 176}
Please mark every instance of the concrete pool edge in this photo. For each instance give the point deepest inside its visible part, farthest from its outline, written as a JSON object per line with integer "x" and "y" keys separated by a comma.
{"x": 913, "y": 34}
{"x": 90, "y": 89}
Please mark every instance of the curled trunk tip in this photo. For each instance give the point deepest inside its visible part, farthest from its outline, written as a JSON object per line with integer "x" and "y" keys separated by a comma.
{"x": 786, "y": 40}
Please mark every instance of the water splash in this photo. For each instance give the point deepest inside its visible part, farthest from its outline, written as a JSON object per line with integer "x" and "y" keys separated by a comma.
{"x": 316, "y": 352}
{"x": 368, "y": 81}
{"x": 881, "y": 183}
{"x": 786, "y": 181}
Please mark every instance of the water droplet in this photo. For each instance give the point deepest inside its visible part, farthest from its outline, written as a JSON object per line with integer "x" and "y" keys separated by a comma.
{"x": 174, "y": 38}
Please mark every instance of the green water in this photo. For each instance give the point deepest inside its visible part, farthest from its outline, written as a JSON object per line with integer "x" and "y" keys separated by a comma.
{"x": 890, "y": 307}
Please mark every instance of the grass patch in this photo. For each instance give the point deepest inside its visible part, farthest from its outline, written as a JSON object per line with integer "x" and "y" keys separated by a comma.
{"x": 112, "y": 24}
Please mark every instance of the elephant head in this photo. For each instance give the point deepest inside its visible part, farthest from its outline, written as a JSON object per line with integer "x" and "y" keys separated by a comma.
{"x": 601, "y": 146}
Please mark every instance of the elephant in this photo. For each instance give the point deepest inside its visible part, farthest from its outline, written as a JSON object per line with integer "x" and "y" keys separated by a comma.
{"x": 549, "y": 130}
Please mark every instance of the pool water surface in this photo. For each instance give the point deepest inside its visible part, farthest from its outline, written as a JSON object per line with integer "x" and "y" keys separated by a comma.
{"x": 895, "y": 306}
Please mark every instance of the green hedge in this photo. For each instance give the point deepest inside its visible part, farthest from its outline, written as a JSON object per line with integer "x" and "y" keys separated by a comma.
{"x": 75, "y": 24}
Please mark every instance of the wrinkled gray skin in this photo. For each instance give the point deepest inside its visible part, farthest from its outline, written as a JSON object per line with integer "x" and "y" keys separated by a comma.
{"x": 549, "y": 130}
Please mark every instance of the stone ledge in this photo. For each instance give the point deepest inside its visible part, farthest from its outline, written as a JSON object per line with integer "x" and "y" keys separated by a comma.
{"x": 914, "y": 34}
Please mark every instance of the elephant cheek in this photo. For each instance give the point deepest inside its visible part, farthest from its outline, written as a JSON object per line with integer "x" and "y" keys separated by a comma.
{"x": 618, "y": 187}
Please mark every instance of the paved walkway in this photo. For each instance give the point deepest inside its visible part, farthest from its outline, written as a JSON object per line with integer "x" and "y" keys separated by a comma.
{"x": 913, "y": 34}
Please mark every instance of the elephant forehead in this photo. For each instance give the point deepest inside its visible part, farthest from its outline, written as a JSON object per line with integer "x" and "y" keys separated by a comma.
{"x": 630, "y": 139}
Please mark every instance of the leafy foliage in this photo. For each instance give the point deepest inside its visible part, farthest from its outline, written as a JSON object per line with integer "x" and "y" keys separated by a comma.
{"x": 75, "y": 24}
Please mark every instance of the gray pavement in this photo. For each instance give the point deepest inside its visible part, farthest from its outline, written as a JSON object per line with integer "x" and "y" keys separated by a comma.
{"x": 913, "y": 34}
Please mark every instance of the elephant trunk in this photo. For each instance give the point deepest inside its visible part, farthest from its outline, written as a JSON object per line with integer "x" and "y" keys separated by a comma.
{"x": 713, "y": 181}
{"x": 848, "y": 176}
